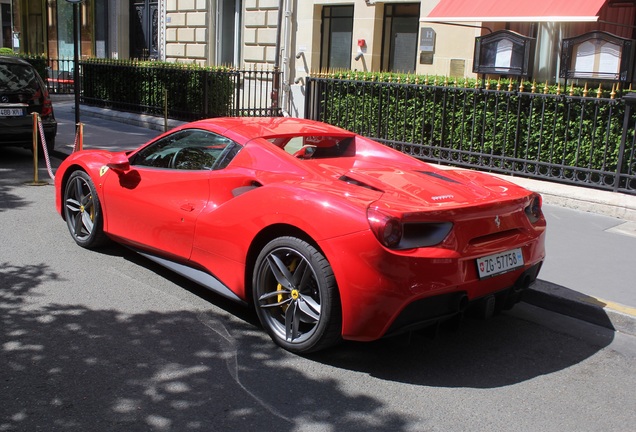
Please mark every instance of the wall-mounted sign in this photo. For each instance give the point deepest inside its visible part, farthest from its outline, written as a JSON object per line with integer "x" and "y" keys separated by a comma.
{"x": 503, "y": 52}
{"x": 597, "y": 55}
{"x": 427, "y": 40}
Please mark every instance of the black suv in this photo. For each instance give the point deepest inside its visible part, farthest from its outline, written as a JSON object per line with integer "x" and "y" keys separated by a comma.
{"x": 23, "y": 92}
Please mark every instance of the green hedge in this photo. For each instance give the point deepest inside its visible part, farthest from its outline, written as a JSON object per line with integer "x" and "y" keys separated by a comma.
{"x": 518, "y": 127}
{"x": 192, "y": 91}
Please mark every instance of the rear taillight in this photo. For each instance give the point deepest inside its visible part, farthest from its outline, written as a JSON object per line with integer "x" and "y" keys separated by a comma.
{"x": 386, "y": 228}
{"x": 533, "y": 210}
{"x": 406, "y": 233}
{"x": 47, "y": 105}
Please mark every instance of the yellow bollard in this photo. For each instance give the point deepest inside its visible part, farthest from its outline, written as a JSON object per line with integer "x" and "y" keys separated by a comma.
{"x": 81, "y": 137}
{"x": 165, "y": 110}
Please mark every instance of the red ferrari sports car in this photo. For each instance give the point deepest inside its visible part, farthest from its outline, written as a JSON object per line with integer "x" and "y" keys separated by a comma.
{"x": 328, "y": 234}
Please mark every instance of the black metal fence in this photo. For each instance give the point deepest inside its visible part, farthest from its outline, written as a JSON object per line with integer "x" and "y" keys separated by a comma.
{"x": 59, "y": 76}
{"x": 188, "y": 92}
{"x": 581, "y": 140}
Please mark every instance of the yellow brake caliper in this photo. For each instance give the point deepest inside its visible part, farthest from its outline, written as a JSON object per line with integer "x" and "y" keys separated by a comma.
{"x": 294, "y": 293}
{"x": 92, "y": 213}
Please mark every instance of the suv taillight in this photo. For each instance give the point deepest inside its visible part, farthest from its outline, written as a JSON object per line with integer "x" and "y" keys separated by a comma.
{"x": 47, "y": 105}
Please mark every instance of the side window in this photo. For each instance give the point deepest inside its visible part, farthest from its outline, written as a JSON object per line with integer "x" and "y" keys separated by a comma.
{"x": 191, "y": 149}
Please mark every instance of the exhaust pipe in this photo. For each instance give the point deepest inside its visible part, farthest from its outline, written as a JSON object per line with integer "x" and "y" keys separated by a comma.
{"x": 462, "y": 303}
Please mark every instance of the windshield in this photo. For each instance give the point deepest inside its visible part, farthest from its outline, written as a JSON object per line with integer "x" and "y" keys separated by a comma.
{"x": 15, "y": 77}
{"x": 315, "y": 146}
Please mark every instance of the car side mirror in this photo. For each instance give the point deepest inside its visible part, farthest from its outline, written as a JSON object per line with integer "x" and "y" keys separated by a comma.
{"x": 305, "y": 152}
{"x": 119, "y": 162}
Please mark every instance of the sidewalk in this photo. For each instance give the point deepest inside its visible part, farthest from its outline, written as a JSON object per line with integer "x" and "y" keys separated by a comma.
{"x": 545, "y": 294}
{"x": 619, "y": 316}
{"x": 618, "y": 205}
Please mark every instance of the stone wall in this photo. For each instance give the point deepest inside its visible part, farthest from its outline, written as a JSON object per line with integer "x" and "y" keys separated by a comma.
{"x": 259, "y": 37}
{"x": 187, "y": 31}
{"x": 190, "y": 31}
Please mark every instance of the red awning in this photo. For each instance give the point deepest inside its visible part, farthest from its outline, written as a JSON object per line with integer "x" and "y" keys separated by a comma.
{"x": 517, "y": 11}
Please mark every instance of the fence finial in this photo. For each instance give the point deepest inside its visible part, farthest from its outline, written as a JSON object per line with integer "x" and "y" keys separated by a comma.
{"x": 572, "y": 90}
{"x": 585, "y": 91}
{"x": 546, "y": 89}
{"x": 499, "y": 84}
{"x": 599, "y": 92}
{"x": 613, "y": 92}
{"x": 558, "y": 91}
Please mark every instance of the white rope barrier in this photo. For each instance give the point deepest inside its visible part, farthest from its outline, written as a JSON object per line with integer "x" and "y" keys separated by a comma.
{"x": 47, "y": 159}
{"x": 77, "y": 144}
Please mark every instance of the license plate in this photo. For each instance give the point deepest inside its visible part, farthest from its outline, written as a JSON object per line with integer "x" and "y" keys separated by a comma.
{"x": 11, "y": 112}
{"x": 502, "y": 262}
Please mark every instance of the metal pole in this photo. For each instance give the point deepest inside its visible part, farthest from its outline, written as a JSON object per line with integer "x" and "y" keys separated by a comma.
{"x": 276, "y": 80}
{"x": 35, "y": 148}
{"x": 630, "y": 101}
{"x": 76, "y": 76}
{"x": 165, "y": 109}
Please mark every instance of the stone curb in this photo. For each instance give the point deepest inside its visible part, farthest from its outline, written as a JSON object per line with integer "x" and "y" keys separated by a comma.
{"x": 565, "y": 301}
{"x": 141, "y": 120}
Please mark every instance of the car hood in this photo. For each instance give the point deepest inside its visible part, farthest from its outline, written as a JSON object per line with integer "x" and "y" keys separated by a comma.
{"x": 430, "y": 186}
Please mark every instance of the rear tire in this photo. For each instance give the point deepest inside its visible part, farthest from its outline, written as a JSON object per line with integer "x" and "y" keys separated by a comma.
{"x": 296, "y": 296}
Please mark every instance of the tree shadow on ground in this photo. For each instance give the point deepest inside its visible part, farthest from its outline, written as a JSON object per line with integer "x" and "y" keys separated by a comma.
{"x": 72, "y": 368}
{"x": 16, "y": 170}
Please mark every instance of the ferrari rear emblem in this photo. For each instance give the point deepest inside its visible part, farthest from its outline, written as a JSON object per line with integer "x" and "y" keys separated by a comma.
{"x": 103, "y": 170}
{"x": 497, "y": 221}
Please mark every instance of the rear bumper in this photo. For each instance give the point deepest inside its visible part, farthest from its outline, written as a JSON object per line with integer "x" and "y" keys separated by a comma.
{"x": 425, "y": 312}
{"x": 384, "y": 292}
{"x": 18, "y": 132}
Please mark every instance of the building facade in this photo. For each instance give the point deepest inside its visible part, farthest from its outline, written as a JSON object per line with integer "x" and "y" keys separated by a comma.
{"x": 301, "y": 37}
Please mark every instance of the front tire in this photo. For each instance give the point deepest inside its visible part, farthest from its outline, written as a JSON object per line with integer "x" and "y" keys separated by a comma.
{"x": 83, "y": 211}
{"x": 296, "y": 296}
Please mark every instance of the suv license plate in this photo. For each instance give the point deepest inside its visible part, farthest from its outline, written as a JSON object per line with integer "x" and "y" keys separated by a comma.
{"x": 11, "y": 112}
{"x": 503, "y": 262}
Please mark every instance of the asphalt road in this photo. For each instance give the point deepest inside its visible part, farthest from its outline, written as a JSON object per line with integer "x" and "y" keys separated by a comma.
{"x": 108, "y": 341}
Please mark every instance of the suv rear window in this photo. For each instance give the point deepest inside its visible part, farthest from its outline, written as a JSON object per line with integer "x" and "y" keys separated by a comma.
{"x": 14, "y": 77}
